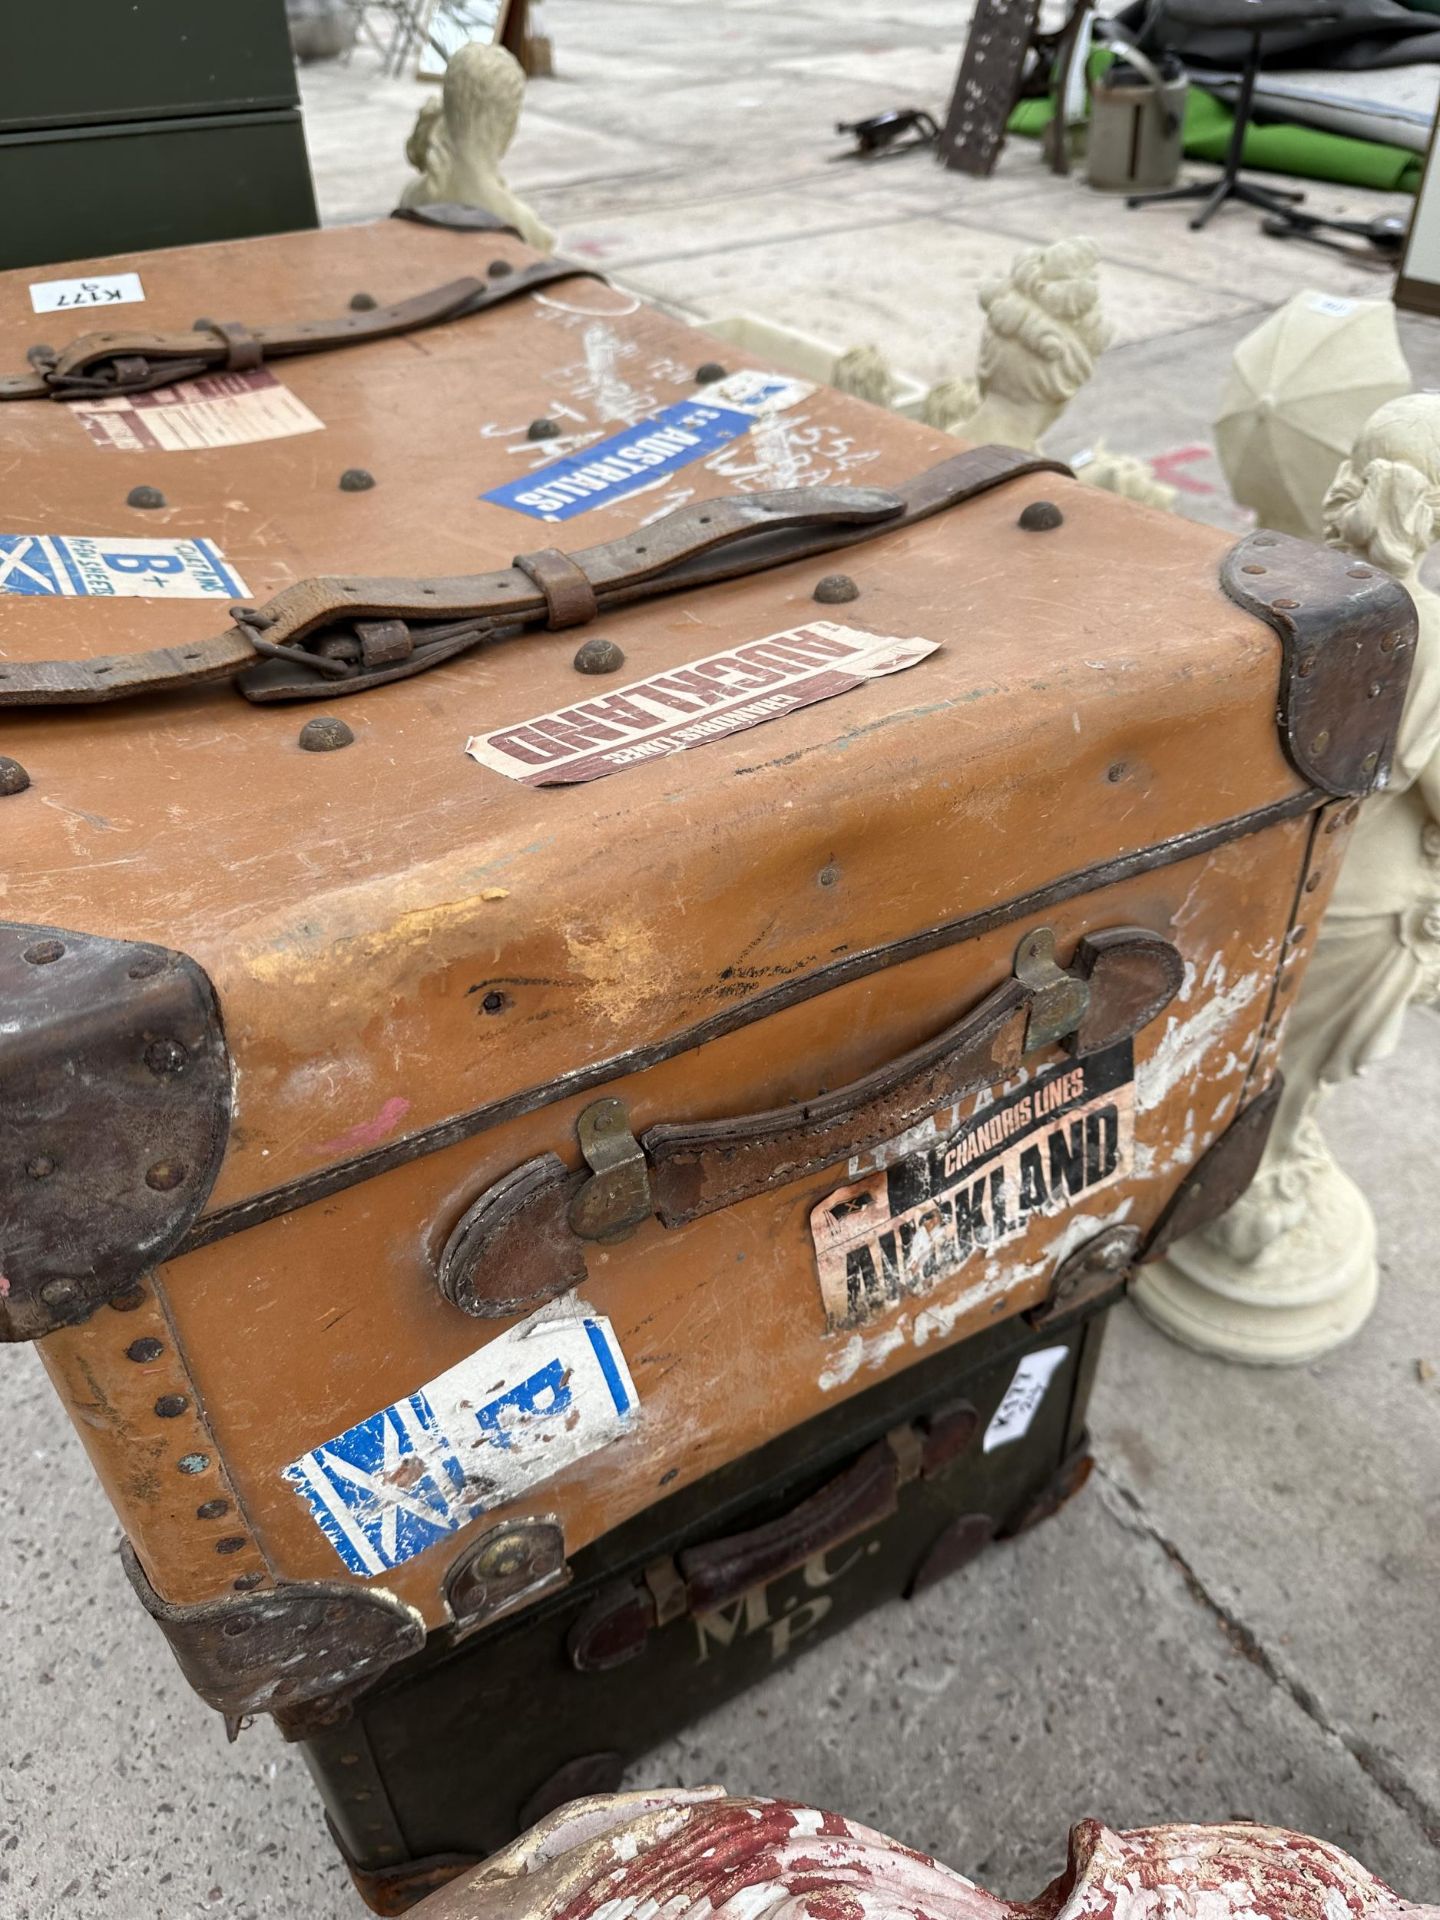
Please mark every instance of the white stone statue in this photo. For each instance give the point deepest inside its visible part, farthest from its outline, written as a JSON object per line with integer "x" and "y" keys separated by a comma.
{"x": 1300, "y": 387}
{"x": 701, "y": 1851}
{"x": 459, "y": 140}
{"x": 865, "y": 373}
{"x": 1290, "y": 1271}
{"x": 1044, "y": 330}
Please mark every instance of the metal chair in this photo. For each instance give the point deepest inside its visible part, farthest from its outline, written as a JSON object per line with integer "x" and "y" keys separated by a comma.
{"x": 1254, "y": 17}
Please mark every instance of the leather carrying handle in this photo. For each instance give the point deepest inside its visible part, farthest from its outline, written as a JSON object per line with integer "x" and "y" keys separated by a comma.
{"x": 513, "y": 1248}
{"x": 617, "y": 1623}
{"x": 101, "y": 365}
{"x": 419, "y": 623}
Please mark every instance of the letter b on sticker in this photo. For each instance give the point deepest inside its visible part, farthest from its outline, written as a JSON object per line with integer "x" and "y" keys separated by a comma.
{"x": 544, "y": 1393}
{"x": 143, "y": 562}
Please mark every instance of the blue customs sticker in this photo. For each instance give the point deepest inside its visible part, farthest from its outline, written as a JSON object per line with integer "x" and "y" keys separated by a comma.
{"x": 64, "y": 565}
{"x": 542, "y": 1396}
{"x": 672, "y": 438}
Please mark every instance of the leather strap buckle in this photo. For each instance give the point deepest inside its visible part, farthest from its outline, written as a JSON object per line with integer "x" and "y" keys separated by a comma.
{"x": 569, "y": 596}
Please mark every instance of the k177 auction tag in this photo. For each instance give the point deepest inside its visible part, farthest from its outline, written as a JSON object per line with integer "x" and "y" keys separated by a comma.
{"x": 99, "y": 290}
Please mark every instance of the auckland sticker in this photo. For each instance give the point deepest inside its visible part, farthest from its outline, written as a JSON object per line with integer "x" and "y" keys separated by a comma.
{"x": 640, "y": 455}
{"x": 690, "y": 706}
{"x": 66, "y": 564}
{"x": 542, "y": 1396}
{"x": 1035, "y": 1152}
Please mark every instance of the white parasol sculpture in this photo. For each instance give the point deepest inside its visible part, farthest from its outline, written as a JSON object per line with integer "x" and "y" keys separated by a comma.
{"x": 1299, "y": 390}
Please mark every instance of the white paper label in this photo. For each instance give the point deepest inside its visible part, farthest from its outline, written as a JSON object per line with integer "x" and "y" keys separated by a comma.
{"x": 755, "y": 392}
{"x": 1330, "y": 303}
{"x": 104, "y": 290}
{"x": 542, "y": 1396}
{"x": 216, "y": 410}
{"x": 1013, "y": 1417}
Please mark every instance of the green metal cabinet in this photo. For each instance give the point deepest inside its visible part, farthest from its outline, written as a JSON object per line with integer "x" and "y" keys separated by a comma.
{"x": 150, "y": 124}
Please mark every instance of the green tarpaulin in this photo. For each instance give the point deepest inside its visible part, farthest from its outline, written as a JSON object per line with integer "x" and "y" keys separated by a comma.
{"x": 1281, "y": 147}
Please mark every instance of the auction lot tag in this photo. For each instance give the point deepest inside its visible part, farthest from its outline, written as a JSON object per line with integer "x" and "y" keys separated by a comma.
{"x": 100, "y": 290}
{"x": 710, "y": 699}
{"x": 69, "y": 564}
{"x": 1011, "y": 1420}
{"x": 216, "y": 410}
{"x": 1037, "y": 1151}
{"x": 542, "y": 1396}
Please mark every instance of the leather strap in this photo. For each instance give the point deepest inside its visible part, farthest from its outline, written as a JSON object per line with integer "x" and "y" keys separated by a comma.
{"x": 104, "y": 364}
{"x": 697, "y": 545}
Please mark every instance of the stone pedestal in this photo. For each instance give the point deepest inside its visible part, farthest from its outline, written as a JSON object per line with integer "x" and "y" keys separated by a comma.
{"x": 1304, "y": 1292}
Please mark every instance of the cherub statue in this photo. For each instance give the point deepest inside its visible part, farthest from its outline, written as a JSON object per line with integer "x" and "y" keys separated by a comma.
{"x": 1044, "y": 330}
{"x": 1290, "y": 1270}
{"x": 865, "y": 373}
{"x": 457, "y": 142}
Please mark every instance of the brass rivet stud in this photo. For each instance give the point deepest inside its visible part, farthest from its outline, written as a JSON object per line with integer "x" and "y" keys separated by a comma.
{"x": 44, "y": 953}
{"x": 707, "y": 374}
{"x": 598, "y": 656}
{"x": 145, "y": 497}
{"x": 141, "y": 1351}
{"x": 499, "y": 269}
{"x": 363, "y": 303}
{"x": 543, "y": 429}
{"x": 212, "y": 1509}
{"x": 1370, "y": 763}
{"x": 247, "y": 1582}
{"x": 58, "y": 1293}
{"x": 1253, "y": 568}
{"x": 1312, "y": 883}
{"x": 1361, "y": 573}
{"x": 13, "y": 777}
{"x": 356, "y": 480}
{"x": 41, "y": 1167}
{"x": 835, "y": 589}
{"x": 325, "y": 735}
{"x": 164, "y": 1176}
{"x": 1284, "y": 606}
{"x": 1321, "y": 741}
{"x": 1041, "y": 516}
{"x": 1305, "y": 665}
{"x": 232, "y": 1543}
{"x": 166, "y": 1056}
{"x": 170, "y": 1406}
{"x": 193, "y": 1462}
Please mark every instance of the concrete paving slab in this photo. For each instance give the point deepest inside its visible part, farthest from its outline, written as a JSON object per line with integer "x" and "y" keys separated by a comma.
{"x": 860, "y": 288}
{"x": 705, "y": 226}
{"x": 1230, "y": 252}
{"x": 1306, "y": 1502}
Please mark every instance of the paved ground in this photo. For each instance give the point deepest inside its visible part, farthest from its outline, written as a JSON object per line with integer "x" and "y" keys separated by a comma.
{"x": 1238, "y": 1617}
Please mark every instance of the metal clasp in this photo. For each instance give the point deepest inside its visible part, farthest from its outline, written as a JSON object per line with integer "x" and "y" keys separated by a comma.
{"x": 617, "y": 1197}
{"x": 1058, "y": 1001}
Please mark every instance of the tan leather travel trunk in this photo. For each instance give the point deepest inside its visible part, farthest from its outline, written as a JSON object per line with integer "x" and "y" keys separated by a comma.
{"x": 400, "y": 1144}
